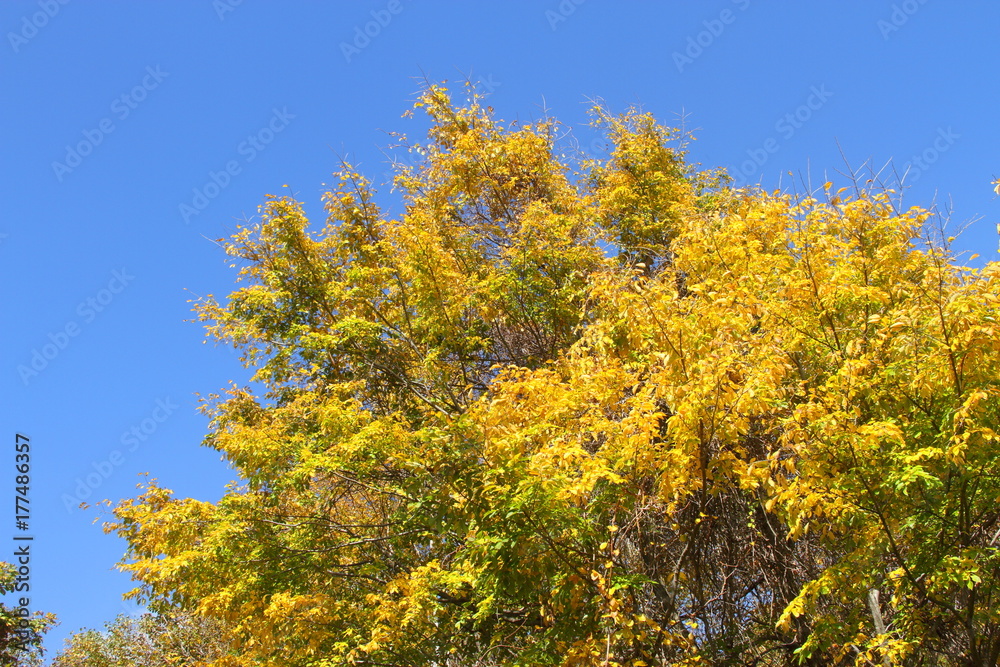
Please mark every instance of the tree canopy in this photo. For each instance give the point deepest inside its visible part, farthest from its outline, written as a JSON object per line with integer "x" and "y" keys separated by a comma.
{"x": 614, "y": 412}
{"x": 21, "y": 630}
{"x": 168, "y": 637}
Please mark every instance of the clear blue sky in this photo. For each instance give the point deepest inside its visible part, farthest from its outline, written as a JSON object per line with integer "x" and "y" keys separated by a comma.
{"x": 115, "y": 113}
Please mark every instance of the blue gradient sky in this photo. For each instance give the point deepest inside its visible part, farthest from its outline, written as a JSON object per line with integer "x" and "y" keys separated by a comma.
{"x": 116, "y": 116}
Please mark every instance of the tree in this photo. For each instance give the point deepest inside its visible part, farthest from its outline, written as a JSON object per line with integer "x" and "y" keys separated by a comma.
{"x": 623, "y": 414}
{"x": 149, "y": 640}
{"x": 21, "y": 631}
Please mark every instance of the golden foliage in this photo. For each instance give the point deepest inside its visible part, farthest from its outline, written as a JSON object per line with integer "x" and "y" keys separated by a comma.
{"x": 485, "y": 439}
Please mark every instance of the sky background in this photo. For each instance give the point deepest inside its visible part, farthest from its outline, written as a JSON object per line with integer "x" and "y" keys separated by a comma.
{"x": 134, "y": 134}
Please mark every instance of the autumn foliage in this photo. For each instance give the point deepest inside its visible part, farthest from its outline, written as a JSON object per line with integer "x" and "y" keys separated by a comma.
{"x": 611, "y": 412}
